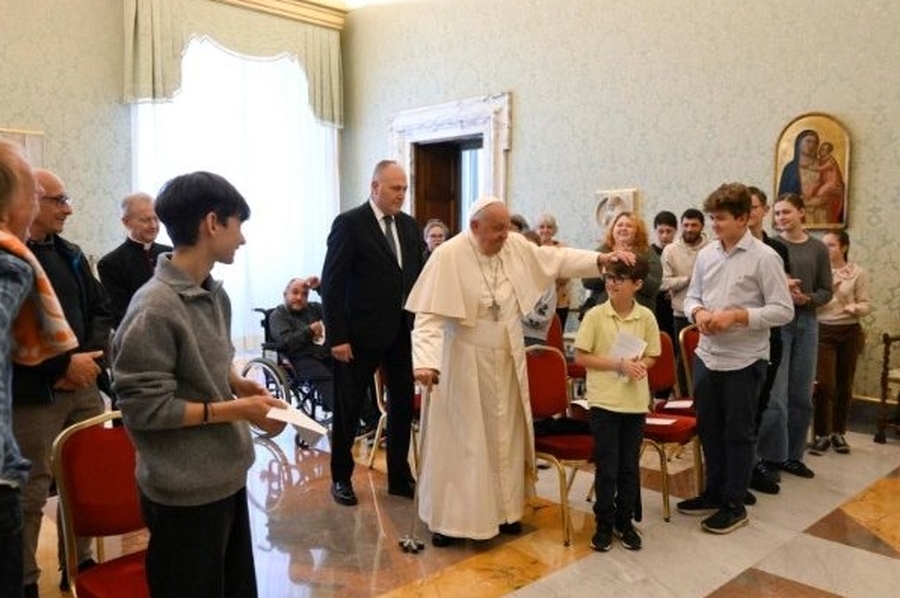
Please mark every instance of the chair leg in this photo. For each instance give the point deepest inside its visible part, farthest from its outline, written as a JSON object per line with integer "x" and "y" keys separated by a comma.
{"x": 699, "y": 474}
{"x": 664, "y": 472}
{"x": 563, "y": 496}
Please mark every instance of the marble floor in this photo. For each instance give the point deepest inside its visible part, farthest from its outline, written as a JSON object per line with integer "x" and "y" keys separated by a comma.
{"x": 835, "y": 535}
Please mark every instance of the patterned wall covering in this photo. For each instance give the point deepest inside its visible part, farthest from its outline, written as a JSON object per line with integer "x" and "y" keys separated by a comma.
{"x": 672, "y": 97}
{"x": 61, "y": 73}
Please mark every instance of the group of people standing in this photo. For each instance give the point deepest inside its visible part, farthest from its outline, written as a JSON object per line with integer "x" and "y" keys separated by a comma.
{"x": 440, "y": 312}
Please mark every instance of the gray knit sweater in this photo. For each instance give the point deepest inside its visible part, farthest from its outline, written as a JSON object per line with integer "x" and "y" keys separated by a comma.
{"x": 174, "y": 346}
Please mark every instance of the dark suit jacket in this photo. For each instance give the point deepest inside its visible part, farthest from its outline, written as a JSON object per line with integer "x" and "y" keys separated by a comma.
{"x": 124, "y": 270}
{"x": 363, "y": 288}
{"x": 90, "y": 309}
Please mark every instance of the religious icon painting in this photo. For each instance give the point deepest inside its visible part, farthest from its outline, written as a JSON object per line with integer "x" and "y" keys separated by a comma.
{"x": 610, "y": 202}
{"x": 812, "y": 159}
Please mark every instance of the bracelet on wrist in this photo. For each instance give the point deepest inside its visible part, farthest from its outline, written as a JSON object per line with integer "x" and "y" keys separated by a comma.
{"x": 205, "y": 413}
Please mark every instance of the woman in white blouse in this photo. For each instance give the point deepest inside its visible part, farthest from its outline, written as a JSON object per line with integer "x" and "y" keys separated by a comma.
{"x": 840, "y": 343}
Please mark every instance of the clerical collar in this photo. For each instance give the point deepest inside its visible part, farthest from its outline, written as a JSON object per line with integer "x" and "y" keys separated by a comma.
{"x": 144, "y": 246}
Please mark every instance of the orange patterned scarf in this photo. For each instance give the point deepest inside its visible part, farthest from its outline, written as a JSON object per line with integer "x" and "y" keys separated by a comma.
{"x": 40, "y": 331}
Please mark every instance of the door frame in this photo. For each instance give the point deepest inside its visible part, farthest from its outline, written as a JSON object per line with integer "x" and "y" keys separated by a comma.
{"x": 485, "y": 116}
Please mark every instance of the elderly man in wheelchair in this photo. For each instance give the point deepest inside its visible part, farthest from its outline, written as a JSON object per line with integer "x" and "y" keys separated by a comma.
{"x": 301, "y": 371}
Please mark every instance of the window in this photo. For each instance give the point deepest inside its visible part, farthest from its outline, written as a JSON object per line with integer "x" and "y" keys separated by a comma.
{"x": 248, "y": 120}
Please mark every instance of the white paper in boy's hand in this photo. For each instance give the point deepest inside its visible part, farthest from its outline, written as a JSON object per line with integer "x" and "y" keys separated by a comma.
{"x": 627, "y": 346}
{"x": 295, "y": 417}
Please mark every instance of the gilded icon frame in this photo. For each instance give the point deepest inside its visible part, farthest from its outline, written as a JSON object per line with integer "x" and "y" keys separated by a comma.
{"x": 812, "y": 158}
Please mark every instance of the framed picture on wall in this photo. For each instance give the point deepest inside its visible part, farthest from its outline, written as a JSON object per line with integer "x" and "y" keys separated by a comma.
{"x": 32, "y": 141}
{"x": 812, "y": 159}
{"x": 612, "y": 201}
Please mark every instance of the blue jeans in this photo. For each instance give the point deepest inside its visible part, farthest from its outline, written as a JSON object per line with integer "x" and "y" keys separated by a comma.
{"x": 11, "y": 571}
{"x": 727, "y": 404}
{"x": 785, "y": 422}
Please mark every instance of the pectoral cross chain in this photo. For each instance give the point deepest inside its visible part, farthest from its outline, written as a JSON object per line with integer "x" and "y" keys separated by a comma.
{"x": 494, "y": 308}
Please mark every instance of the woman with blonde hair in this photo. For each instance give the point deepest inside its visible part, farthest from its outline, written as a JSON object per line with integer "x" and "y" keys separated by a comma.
{"x": 546, "y": 229}
{"x": 627, "y": 232}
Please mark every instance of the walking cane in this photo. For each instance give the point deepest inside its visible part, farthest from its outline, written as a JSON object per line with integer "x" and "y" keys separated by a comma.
{"x": 411, "y": 542}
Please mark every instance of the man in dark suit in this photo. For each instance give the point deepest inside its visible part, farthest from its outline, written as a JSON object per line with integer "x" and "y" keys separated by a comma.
{"x": 126, "y": 268}
{"x": 374, "y": 257}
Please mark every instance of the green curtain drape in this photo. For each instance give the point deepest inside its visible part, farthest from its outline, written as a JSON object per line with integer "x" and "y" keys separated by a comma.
{"x": 157, "y": 31}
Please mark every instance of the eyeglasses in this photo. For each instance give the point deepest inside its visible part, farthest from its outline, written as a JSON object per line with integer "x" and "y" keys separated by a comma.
{"x": 61, "y": 200}
{"x": 617, "y": 278}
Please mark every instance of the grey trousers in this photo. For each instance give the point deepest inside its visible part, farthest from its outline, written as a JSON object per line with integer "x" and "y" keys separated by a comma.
{"x": 35, "y": 428}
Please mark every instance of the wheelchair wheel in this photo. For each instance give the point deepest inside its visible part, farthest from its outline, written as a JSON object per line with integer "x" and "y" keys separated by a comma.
{"x": 310, "y": 402}
{"x": 270, "y": 377}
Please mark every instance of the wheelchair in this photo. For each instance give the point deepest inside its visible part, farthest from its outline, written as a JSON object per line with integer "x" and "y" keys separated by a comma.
{"x": 273, "y": 370}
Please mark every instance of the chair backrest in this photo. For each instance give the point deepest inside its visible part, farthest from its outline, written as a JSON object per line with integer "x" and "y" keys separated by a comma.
{"x": 555, "y": 335}
{"x": 662, "y": 375}
{"x": 94, "y": 469}
{"x": 547, "y": 381}
{"x": 268, "y": 342}
{"x": 688, "y": 340}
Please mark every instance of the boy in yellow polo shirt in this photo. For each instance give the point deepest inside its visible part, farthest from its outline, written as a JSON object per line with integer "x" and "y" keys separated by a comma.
{"x": 617, "y": 342}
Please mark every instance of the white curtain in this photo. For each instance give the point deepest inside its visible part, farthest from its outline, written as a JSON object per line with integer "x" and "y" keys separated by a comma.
{"x": 248, "y": 119}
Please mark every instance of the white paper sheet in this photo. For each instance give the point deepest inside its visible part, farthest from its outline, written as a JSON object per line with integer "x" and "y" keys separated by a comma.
{"x": 627, "y": 346}
{"x": 295, "y": 417}
{"x": 679, "y": 404}
{"x": 660, "y": 421}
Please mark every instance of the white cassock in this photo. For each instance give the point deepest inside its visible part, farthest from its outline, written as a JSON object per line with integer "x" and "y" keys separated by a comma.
{"x": 478, "y": 464}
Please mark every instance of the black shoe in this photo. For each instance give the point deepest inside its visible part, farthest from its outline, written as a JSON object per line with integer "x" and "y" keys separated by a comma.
{"x": 31, "y": 591}
{"x": 699, "y": 505}
{"x": 602, "y": 540}
{"x": 628, "y": 536}
{"x": 343, "y": 494}
{"x": 763, "y": 480}
{"x": 726, "y": 520}
{"x": 442, "y": 541}
{"x": 749, "y": 498}
{"x": 511, "y": 529}
{"x": 798, "y": 468}
{"x": 405, "y": 488}
{"x": 840, "y": 444}
{"x": 820, "y": 445}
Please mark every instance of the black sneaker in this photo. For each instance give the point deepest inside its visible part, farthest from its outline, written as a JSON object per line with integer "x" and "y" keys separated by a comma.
{"x": 820, "y": 445}
{"x": 725, "y": 520}
{"x": 749, "y": 498}
{"x": 628, "y": 536}
{"x": 699, "y": 505}
{"x": 602, "y": 540}
{"x": 763, "y": 480}
{"x": 840, "y": 444}
{"x": 797, "y": 468}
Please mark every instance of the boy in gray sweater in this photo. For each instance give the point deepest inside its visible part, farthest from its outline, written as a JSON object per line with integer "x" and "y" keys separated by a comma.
{"x": 184, "y": 405}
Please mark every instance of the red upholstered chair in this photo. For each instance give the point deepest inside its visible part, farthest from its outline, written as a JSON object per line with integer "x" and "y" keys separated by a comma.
{"x": 555, "y": 339}
{"x": 548, "y": 388}
{"x": 664, "y": 429}
{"x": 688, "y": 340}
{"x": 98, "y": 497}
{"x": 663, "y": 375}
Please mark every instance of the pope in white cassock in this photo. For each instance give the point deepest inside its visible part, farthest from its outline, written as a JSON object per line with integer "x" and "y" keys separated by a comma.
{"x": 478, "y": 467}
